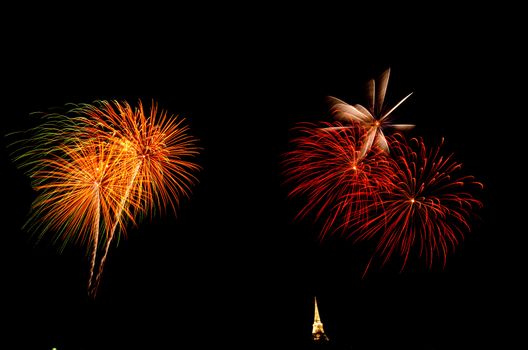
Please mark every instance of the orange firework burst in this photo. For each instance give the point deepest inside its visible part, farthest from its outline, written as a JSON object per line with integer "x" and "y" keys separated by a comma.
{"x": 156, "y": 151}
{"x": 157, "y": 145}
{"x": 78, "y": 187}
{"x": 79, "y": 191}
{"x": 101, "y": 166}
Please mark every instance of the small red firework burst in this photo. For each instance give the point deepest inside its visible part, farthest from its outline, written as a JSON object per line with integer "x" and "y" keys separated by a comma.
{"x": 327, "y": 167}
{"x": 426, "y": 209}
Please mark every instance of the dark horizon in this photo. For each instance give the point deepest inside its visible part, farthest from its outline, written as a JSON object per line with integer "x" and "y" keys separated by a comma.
{"x": 234, "y": 267}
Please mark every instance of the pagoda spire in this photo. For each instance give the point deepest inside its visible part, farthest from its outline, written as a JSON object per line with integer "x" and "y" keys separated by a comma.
{"x": 318, "y": 334}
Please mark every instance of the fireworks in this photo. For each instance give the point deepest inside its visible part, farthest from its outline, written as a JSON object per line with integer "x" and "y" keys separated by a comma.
{"x": 78, "y": 188}
{"x": 427, "y": 208}
{"x": 101, "y": 166}
{"x": 157, "y": 149}
{"x": 373, "y": 119}
{"x": 413, "y": 199}
{"x": 327, "y": 167}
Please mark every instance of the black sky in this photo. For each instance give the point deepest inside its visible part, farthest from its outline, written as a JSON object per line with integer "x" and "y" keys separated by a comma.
{"x": 233, "y": 267}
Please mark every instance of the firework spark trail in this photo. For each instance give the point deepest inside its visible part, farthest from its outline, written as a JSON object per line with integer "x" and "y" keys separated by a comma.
{"x": 428, "y": 207}
{"x": 327, "y": 167}
{"x": 373, "y": 119}
{"x": 96, "y": 227}
{"x": 93, "y": 287}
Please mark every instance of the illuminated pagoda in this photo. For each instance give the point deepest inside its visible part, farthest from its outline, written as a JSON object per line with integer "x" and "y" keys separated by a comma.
{"x": 318, "y": 334}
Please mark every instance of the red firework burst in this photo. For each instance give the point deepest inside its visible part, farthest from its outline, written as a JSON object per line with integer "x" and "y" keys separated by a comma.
{"x": 426, "y": 209}
{"x": 327, "y": 167}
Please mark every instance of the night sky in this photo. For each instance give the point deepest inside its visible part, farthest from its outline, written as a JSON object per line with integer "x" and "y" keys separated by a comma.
{"x": 234, "y": 268}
